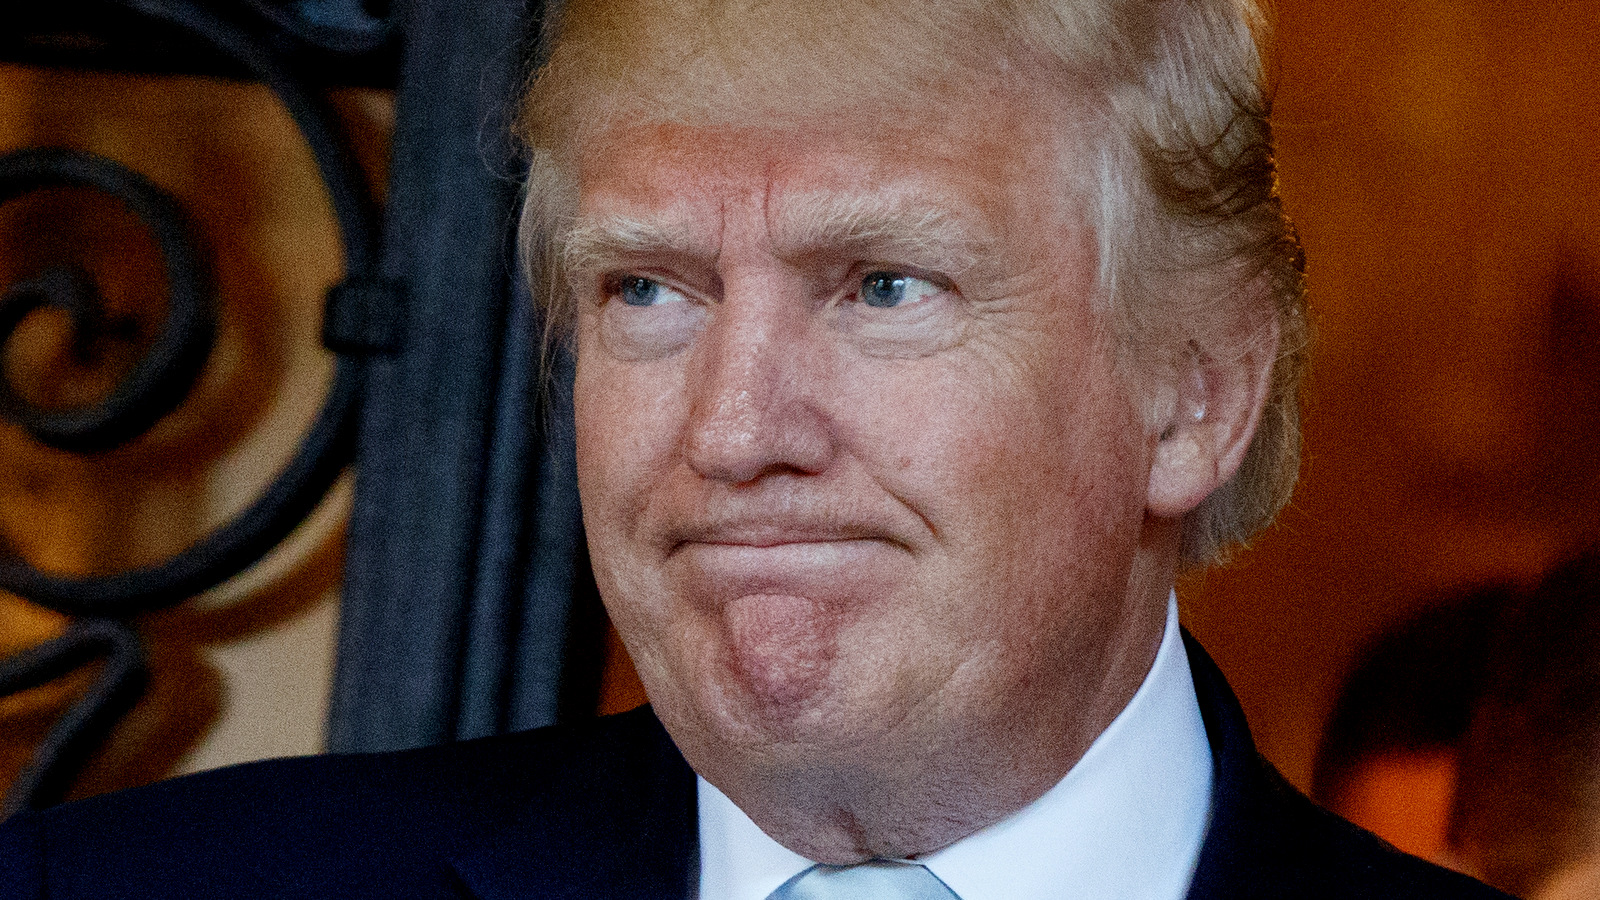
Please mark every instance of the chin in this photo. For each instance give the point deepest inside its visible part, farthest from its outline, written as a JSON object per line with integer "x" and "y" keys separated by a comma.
{"x": 791, "y": 716}
{"x": 769, "y": 705}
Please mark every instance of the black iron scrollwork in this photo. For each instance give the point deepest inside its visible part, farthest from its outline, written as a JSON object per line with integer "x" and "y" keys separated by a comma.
{"x": 163, "y": 378}
{"x": 361, "y": 319}
{"x": 75, "y": 735}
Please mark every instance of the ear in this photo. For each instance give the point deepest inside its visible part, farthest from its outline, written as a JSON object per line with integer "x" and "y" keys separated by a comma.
{"x": 1206, "y": 416}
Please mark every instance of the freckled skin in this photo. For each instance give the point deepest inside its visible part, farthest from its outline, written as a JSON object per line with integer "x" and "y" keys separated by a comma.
{"x": 885, "y": 574}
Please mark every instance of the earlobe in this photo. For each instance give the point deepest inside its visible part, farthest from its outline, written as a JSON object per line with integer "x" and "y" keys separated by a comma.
{"x": 1206, "y": 421}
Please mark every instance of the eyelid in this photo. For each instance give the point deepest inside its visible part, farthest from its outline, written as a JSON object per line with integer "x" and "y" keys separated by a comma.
{"x": 611, "y": 282}
{"x": 932, "y": 276}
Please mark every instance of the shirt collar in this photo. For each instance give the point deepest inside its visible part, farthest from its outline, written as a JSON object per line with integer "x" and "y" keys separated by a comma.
{"x": 1127, "y": 821}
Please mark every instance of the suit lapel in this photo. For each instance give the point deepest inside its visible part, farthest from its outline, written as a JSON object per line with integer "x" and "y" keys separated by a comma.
{"x": 1257, "y": 837}
{"x": 619, "y": 821}
{"x": 1223, "y": 870}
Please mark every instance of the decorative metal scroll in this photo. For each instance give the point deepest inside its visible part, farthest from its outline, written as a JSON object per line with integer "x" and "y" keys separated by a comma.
{"x": 80, "y": 730}
{"x": 163, "y": 378}
{"x": 361, "y": 319}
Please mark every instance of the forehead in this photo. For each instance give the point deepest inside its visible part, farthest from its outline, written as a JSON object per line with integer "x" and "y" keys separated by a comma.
{"x": 973, "y": 168}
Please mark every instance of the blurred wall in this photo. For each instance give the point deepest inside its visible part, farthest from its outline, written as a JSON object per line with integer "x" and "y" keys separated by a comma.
{"x": 1440, "y": 157}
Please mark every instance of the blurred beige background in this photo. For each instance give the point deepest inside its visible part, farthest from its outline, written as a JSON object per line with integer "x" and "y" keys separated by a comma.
{"x": 1440, "y": 157}
{"x": 242, "y": 672}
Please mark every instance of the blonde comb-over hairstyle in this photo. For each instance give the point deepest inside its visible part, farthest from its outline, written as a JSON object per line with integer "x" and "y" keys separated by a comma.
{"x": 1167, "y": 146}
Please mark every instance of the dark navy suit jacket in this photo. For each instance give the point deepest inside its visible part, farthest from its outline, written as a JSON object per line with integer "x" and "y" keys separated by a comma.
{"x": 603, "y": 809}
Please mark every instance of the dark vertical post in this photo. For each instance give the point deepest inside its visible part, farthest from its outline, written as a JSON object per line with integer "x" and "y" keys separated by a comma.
{"x": 464, "y": 541}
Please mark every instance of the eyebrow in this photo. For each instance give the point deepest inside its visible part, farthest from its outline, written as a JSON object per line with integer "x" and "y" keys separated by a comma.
{"x": 601, "y": 242}
{"x": 875, "y": 227}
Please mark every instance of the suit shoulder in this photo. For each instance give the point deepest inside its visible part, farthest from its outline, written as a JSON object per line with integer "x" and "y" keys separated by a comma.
{"x": 1268, "y": 841}
{"x": 355, "y": 825}
{"x": 504, "y": 769}
{"x": 1317, "y": 854}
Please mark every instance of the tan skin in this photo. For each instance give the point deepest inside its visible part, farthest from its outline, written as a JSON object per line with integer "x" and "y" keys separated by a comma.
{"x": 885, "y": 531}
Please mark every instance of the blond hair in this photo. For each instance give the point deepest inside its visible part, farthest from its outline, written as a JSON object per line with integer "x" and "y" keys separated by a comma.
{"x": 1173, "y": 155}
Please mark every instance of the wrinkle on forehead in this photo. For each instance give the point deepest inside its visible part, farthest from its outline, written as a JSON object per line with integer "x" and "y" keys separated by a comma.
{"x": 799, "y": 227}
{"x": 807, "y": 191}
{"x": 801, "y": 211}
{"x": 898, "y": 227}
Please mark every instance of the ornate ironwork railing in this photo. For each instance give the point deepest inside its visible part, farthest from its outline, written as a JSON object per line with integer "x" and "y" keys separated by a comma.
{"x": 361, "y": 319}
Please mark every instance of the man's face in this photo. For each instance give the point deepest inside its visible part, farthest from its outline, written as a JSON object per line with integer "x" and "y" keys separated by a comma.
{"x": 856, "y": 470}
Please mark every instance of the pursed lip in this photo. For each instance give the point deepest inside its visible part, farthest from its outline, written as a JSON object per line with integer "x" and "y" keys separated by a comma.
{"x": 770, "y": 534}
{"x": 834, "y": 561}
{"x": 833, "y": 570}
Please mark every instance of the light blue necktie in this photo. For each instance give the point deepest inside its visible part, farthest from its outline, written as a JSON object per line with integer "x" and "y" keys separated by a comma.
{"x": 875, "y": 880}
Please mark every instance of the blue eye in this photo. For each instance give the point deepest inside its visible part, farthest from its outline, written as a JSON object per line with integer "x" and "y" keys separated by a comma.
{"x": 883, "y": 289}
{"x": 636, "y": 291}
{"x": 887, "y": 290}
{"x": 639, "y": 291}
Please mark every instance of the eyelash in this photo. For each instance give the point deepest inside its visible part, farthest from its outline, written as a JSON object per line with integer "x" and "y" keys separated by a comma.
{"x": 937, "y": 281}
{"x": 613, "y": 285}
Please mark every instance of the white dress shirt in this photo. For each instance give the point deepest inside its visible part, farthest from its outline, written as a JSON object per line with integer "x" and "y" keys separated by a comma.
{"x": 1126, "y": 822}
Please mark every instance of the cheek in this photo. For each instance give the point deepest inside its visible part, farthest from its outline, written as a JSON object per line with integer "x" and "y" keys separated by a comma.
{"x": 625, "y": 435}
{"x": 1031, "y": 474}
{"x": 592, "y": 405}
{"x": 1056, "y": 489}
{"x": 625, "y": 420}
{"x": 1000, "y": 448}
{"x": 615, "y": 439}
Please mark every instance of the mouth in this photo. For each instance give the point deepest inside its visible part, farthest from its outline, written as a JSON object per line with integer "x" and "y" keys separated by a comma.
{"x": 785, "y": 555}
{"x": 775, "y": 561}
{"x": 775, "y": 532}
{"x": 825, "y": 562}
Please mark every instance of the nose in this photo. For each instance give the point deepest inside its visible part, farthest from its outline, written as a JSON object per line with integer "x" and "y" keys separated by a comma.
{"x": 755, "y": 381}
